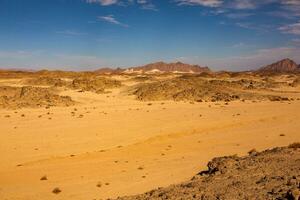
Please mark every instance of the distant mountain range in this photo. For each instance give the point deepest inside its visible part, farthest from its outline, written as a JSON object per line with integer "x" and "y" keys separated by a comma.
{"x": 285, "y": 65}
{"x": 158, "y": 67}
{"x": 177, "y": 67}
{"x": 282, "y": 66}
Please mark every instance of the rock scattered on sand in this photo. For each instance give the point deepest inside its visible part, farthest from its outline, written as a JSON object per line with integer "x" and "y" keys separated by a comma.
{"x": 271, "y": 174}
{"x": 97, "y": 85}
{"x": 27, "y": 96}
{"x": 99, "y": 184}
{"x": 194, "y": 88}
{"x": 84, "y": 83}
{"x": 43, "y": 178}
{"x": 45, "y": 81}
{"x": 56, "y": 190}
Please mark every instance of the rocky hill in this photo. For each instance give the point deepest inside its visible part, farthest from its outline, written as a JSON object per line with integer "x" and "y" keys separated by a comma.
{"x": 162, "y": 67}
{"x": 271, "y": 174}
{"x": 286, "y": 65}
{"x": 195, "y": 88}
{"x": 158, "y": 67}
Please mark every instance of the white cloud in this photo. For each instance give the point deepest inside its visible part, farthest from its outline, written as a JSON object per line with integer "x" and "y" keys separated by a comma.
{"x": 243, "y": 4}
{"x": 233, "y": 4}
{"x": 291, "y": 2}
{"x": 103, "y": 2}
{"x": 292, "y": 6}
{"x": 291, "y": 28}
{"x": 282, "y": 14}
{"x": 111, "y": 19}
{"x": 144, "y": 4}
{"x": 208, "y": 3}
{"x": 147, "y": 5}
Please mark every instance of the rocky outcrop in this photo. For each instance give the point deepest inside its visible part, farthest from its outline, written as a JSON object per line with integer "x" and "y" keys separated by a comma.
{"x": 195, "y": 88}
{"x": 31, "y": 97}
{"x": 97, "y": 85}
{"x": 271, "y": 174}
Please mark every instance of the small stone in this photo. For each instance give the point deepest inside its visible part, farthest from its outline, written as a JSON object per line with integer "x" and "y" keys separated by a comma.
{"x": 56, "y": 190}
{"x": 99, "y": 184}
{"x": 252, "y": 152}
{"x": 293, "y": 194}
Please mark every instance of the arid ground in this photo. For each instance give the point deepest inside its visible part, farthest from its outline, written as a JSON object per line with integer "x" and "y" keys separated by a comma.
{"x": 87, "y": 136}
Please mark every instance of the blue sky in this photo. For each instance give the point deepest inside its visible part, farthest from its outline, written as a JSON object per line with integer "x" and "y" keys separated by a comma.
{"x": 89, "y": 34}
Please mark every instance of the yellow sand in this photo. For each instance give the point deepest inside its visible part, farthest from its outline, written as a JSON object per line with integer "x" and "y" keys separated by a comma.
{"x": 129, "y": 146}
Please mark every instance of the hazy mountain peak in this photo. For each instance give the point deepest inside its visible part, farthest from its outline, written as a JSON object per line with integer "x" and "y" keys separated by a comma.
{"x": 285, "y": 65}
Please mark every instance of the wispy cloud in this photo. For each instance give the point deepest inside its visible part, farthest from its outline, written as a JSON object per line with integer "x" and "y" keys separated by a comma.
{"x": 103, "y": 2}
{"x": 208, "y": 3}
{"x": 282, "y": 14}
{"x": 291, "y": 28}
{"x": 291, "y": 8}
{"x": 245, "y": 25}
{"x": 291, "y": 3}
{"x": 242, "y": 4}
{"x": 71, "y": 33}
{"x": 238, "y": 15}
{"x": 242, "y": 11}
{"x": 233, "y": 4}
{"x": 144, "y": 4}
{"x": 257, "y": 27}
{"x": 287, "y": 5}
{"x": 254, "y": 4}
{"x": 111, "y": 19}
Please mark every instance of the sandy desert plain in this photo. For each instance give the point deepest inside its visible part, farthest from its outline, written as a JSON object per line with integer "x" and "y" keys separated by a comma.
{"x": 67, "y": 135}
